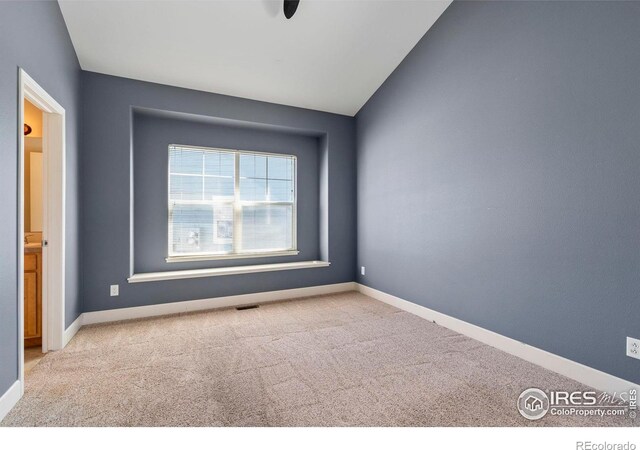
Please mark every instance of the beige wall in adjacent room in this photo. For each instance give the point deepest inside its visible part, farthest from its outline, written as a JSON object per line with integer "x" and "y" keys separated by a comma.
{"x": 33, "y": 169}
{"x": 33, "y": 118}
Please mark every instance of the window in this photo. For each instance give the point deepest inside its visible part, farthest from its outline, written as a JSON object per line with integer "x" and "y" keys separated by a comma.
{"x": 230, "y": 204}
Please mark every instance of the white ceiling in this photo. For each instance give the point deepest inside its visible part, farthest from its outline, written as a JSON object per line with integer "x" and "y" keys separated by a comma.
{"x": 331, "y": 56}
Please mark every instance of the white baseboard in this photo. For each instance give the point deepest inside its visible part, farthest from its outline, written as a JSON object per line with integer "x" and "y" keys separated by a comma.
{"x": 138, "y": 312}
{"x": 9, "y": 399}
{"x": 70, "y": 332}
{"x": 570, "y": 369}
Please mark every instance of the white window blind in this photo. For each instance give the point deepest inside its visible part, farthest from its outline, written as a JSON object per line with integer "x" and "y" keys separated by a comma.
{"x": 226, "y": 203}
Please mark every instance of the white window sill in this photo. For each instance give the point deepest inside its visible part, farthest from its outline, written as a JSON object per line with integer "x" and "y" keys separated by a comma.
{"x": 175, "y": 259}
{"x": 199, "y": 273}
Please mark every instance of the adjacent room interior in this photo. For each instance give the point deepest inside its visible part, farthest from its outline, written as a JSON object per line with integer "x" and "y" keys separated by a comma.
{"x": 360, "y": 213}
{"x": 33, "y": 209}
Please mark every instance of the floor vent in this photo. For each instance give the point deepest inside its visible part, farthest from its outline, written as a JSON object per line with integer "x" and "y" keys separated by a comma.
{"x": 242, "y": 308}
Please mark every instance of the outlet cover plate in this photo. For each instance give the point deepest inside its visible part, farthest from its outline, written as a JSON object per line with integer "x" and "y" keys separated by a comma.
{"x": 114, "y": 290}
{"x": 633, "y": 348}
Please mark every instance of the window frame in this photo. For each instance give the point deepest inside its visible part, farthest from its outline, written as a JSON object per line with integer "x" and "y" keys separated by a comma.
{"x": 237, "y": 205}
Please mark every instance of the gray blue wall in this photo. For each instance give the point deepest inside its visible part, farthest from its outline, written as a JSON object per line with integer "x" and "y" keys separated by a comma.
{"x": 33, "y": 36}
{"x": 109, "y": 148}
{"x": 498, "y": 175}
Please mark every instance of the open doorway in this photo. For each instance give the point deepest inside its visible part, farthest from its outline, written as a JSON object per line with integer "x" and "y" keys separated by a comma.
{"x": 41, "y": 224}
{"x": 33, "y": 194}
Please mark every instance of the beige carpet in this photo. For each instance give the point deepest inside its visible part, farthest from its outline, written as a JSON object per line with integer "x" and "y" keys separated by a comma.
{"x": 334, "y": 360}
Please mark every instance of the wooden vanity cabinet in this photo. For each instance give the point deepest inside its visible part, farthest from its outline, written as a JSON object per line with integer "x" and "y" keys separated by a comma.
{"x": 32, "y": 299}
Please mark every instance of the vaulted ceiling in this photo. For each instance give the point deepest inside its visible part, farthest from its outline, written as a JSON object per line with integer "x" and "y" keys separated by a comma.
{"x": 331, "y": 56}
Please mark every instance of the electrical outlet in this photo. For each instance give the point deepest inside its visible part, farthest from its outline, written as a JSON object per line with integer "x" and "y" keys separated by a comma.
{"x": 114, "y": 290}
{"x": 362, "y": 270}
{"x": 633, "y": 348}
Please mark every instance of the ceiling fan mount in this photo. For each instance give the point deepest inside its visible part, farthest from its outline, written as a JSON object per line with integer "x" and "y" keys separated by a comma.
{"x": 290, "y": 7}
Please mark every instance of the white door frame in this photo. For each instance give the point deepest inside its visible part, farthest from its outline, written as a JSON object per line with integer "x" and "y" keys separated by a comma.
{"x": 53, "y": 217}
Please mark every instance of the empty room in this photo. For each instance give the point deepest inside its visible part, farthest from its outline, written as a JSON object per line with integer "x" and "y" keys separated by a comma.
{"x": 321, "y": 214}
